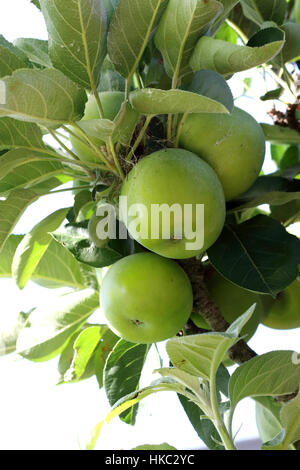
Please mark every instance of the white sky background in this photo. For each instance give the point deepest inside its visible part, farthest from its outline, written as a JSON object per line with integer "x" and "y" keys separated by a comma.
{"x": 37, "y": 414}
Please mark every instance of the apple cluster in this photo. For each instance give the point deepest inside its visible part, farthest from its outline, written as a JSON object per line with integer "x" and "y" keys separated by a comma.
{"x": 147, "y": 297}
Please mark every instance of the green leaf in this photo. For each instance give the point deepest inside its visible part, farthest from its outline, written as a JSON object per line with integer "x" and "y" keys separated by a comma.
{"x": 42, "y": 96}
{"x": 291, "y": 48}
{"x": 267, "y": 418}
{"x": 9, "y": 332}
{"x": 83, "y": 349}
{"x": 153, "y": 101}
{"x": 130, "y": 30}
{"x": 77, "y": 38}
{"x": 273, "y": 190}
{"x": 11, "y": 58}
{"x": 202, "y": 355}
{"x": 102, "y": 129}
{"x": 214, "y": 86}
{"x": 260, "y": 11}
{"x": 6, "y": 256}
{"x": 203, "y": 427}
{"x": 122, "y": 374}
{"x": 272, "y": 374}
{"x": 59, "y": 268}
{"x": 51, "y": 326}
{"x": 280, "y": 135}
{"x": 290, "y": 419}
{"x": 272, "y": 95}
{"x": 75, "y": 237}
{"x": 275, "y": 443}
{"x": 110, "y": 6}
{"x": 182, "y": 24}
{"x": 16, "y": 134}
{"x": 12, "y": 209}
{"x": 23, "y": 168}
{"x": 9, "y": 62}
{"x": 287, "y": 213}
{"x": 36, "y": 3}
{"x": 228, "y": 5}
{"x": 132, "y": 400}
{"x": 199, "y": 355}
{"x": 108, "y": 342}
{"x": 33, "y": 247}
{"x": 184, "y": 378}
{"x": 163, "y": 446}
{"x": 81, "y": 199}
{"x": 110, "y": 79}
{"x": 36, "y": 50}
{"x": 258, "y": 255}
{"x": 125, "y": 123}
{"x": 227, "y": 58}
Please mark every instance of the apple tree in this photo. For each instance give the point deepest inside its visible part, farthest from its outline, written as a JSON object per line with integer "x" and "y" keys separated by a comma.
{"x": 133, "y": 99}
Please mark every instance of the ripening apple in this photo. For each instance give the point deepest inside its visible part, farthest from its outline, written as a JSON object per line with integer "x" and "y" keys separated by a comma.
{"x": 233, "y": 145}
{"x": 146, "y": 298}
{"x": 111, "y": 102}
{"x": 284, "y": 312}
{"x": 179, "y": 180}
{"x": 232, "y": 301}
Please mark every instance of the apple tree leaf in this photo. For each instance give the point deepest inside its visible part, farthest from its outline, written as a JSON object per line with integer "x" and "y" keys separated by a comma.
{"x": 272, "y": 374}
{"x": 36, "y": 50}
{"x": 131, "y": 400}
{"x": 153, "y": 101}
{"x": 11, "y": 58}
{"x": 201, "y": 355}
{"x": 75, "y": 237}
{"x": 273, "y": 190}
{"x": 16, "y": 134}
{"x": 110, "y": 6}
{"x": 14, "y": 206}
{"x": 260, "y": 11}
{"x": 81, "y": 350}
{"x": 290, "y": 419}
{"x": 122, "y": 373}
{"x": 280, "y": 135}
{"x": 33, "y": 247}
{"x": 23, "y": 168}
{"x": 228, "y": 5}
{"x": 258, "y": 255}
{"x": 77, "y": 38}
{"x": 182, "y": 24}
{"x": 131, "y": 28}
{"x": 227, "y": 58}
{"x": 51, "y": 326}
{"x": 42, "y": 96}
{"x": 214, "y": 86}
{"x": 9, "y": 332}
{"x": 58, "y": 268}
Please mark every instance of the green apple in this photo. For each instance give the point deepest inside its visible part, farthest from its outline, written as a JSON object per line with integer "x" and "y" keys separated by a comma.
{"x": 146, "y": 298}
{"x": 166, "y": 178}
{"x": 232, "y": 301}
{"x": 233, "y": 145}
{"x": 111, "y": 103}
{"x": 284, "y": 312}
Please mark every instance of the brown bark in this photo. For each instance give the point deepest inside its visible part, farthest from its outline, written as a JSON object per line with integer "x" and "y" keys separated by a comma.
{"x": 206, "y": 307}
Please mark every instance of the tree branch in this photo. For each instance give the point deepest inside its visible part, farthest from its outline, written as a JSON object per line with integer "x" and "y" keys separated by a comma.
{"x": 206, "y": 307}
